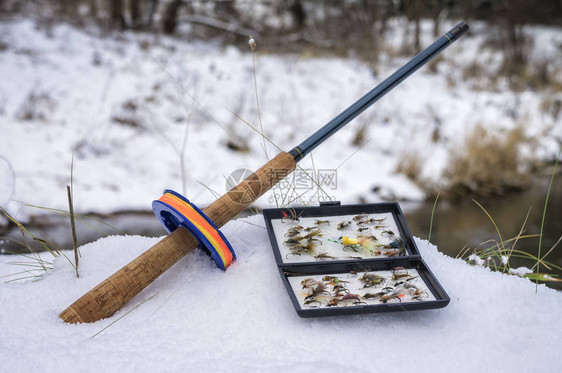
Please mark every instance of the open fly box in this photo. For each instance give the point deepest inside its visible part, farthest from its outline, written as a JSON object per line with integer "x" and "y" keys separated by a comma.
{"x": 353, "y": 259}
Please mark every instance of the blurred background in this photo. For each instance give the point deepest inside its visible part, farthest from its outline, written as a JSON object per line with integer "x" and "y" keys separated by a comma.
{"x": 123, "y": 99}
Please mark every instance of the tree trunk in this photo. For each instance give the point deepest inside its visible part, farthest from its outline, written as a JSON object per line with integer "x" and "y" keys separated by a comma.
{"x": 386, "y": 12}
{"x": 170, "y": 20}
{"x": 417, "y": 20}
{"x": 436, "y": 16}
{"x": 299, "y": 14}
{"x": 94, "y": 9}
{"x": 150, "y": 11}
{"x": 117, "y": 13}
{"x": 68, "y": 7}
{"x": 467, "y": 10}
{"x": 135, "y": 12}
{"x": 417, "y": 34}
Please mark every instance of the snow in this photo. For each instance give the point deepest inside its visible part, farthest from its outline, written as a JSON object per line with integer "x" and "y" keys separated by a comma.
{"x": 520, "y": 271}
{"x": 116, "y": 105}
{"x": 476, "y": 259}
{"x": 201, "y": 318}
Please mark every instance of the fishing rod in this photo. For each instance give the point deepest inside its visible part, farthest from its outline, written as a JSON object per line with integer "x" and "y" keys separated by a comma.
{"x": 117, "y": 290}
{"x": 379, "y": 91}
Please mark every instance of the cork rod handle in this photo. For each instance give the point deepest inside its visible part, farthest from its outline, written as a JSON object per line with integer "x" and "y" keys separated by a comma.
{"x": 114, "y": 292}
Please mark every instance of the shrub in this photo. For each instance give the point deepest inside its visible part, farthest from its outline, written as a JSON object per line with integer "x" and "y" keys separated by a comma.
{"x": 488, "y": 164}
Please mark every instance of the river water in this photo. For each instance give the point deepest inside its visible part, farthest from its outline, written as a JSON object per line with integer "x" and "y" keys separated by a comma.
{"x": 457, "y": 225}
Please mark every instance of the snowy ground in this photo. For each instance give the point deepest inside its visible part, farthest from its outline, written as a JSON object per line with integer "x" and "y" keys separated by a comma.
{"x": 203, "y": 319}
{"x": 115, "y": 103}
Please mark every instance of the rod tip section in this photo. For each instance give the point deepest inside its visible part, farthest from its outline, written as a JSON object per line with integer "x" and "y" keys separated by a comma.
{"x": 459, "y": 30}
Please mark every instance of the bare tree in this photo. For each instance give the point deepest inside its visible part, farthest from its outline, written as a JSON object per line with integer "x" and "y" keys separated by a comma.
{"x": 135, "y": 12}
{"x": 516, "y": 13}
{"x": 170, "y": 17}
{"x": 413, "y": 9}
{"x": 151, "y": 9}
{"x": 299, "y": 14}
{"x": 94, "y": 9}
{"x": 117, "y": 14}
{"x": 67, "y": 7}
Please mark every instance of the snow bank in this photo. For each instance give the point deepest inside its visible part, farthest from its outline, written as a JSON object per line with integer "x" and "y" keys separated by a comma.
{"x": 203, "y": 319}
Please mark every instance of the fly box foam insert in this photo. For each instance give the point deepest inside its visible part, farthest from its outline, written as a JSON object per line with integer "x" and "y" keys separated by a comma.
{"x": 320, "y": 239}
{"x": 359, "y": 288}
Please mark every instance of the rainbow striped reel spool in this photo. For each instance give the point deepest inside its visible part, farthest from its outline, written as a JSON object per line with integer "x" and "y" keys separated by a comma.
{"x": 175, "y": 210}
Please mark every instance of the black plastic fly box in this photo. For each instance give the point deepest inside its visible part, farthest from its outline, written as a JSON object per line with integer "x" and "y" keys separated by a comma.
{"x": 342, "y": 260}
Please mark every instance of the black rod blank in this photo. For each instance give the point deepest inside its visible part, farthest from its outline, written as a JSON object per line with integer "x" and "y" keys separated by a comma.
{"x": 379, "y": 91}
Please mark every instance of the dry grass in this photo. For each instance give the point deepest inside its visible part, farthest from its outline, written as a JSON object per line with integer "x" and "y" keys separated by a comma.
{"x": 488, "y": 164}
{"x": 480, "y": 78}
{"x": 37, "y": 106}
{"x": 360, "y": 136}
{"x": 551, "y": 105}
{"x": 541, "y": 75}
{"x": 433, "y": 65}
{"x": 410, "y": 164}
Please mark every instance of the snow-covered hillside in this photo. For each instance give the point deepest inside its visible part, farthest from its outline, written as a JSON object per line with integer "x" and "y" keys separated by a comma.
{"x": 120, "y": 105}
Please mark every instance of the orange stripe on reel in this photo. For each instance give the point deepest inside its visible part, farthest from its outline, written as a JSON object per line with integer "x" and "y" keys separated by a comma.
{"x": 175, "y": 210}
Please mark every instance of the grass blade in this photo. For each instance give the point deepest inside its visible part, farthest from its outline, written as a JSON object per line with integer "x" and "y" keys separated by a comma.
{"x": 541, "y": 277}
{"x": 73, "y": 228}
{"x": 252, "y": 44}
{"x": 544, "y": 215}
{"x": 503, "y": 250}
{"x": 549, "y": 251}
{"x": 432, "y": 214}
